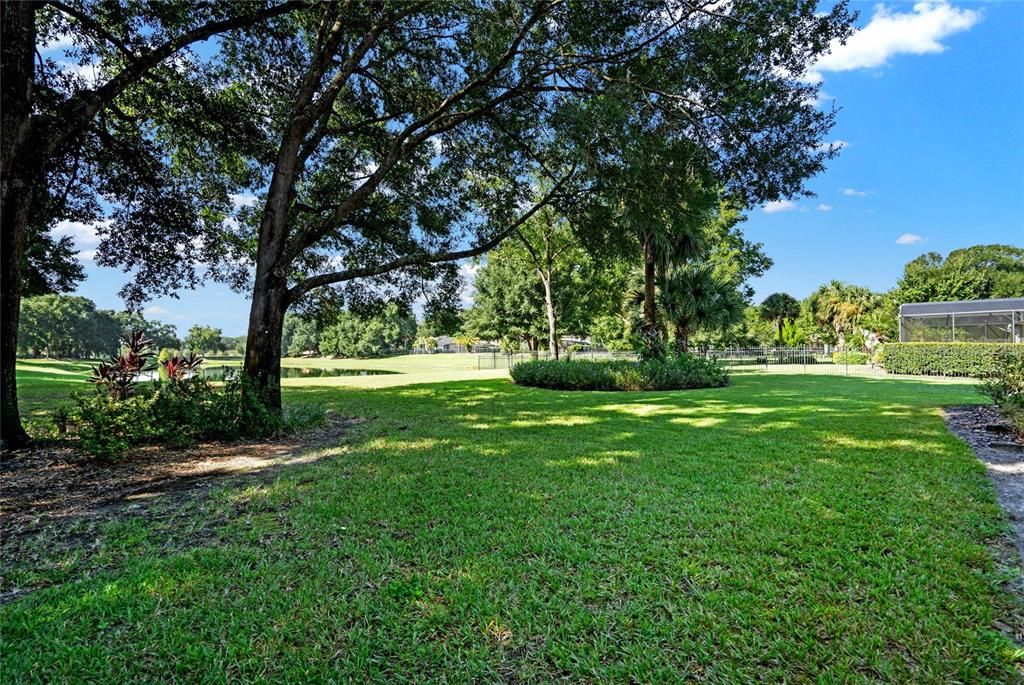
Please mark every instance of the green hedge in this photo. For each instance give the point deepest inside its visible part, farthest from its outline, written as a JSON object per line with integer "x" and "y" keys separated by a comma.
{"x": 584, "y": 374}
{"x": 977, "y": 360}
{"x": 850, "y": 357}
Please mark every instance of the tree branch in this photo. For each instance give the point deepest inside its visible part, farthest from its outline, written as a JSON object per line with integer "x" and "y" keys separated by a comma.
{"x": 81, "y": 107}
{"x": 424, "y": 258}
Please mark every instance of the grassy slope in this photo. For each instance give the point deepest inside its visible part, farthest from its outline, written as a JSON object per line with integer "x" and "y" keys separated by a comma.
{"x": 782, "y": 528}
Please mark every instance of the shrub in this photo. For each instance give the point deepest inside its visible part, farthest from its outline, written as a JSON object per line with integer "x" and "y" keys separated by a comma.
{"x": 182, "y": 412}
{"x": 1006, "y": 388}
{"x": 653, "y": 374}
{"x": 119, "y": 374}
{"x": 977, "y": 360}
{"x": 850, "y": 357}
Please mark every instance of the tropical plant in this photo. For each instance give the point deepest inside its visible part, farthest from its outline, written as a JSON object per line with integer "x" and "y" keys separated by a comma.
{"x": 692, "y": 298}
{"x": 780, "y": 308}
{"x": 426, "y": 342}
{"x": 840, "y": 306}
{"x": 120, "y": 373}
{"x": 466, "y": 341}
{"x": 180, "y": 367}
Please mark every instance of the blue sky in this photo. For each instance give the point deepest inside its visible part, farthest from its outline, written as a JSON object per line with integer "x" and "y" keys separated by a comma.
{"x": 932, "y": 129}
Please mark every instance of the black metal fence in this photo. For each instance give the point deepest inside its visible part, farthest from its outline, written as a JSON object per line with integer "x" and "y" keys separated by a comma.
{"x": 503, "y": 360}
{"x": 816, "y": 359}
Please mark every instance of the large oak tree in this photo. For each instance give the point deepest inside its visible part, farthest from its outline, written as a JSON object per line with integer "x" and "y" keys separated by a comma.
{"x": 68, "y": 141}
{"x": 385, "y": 141}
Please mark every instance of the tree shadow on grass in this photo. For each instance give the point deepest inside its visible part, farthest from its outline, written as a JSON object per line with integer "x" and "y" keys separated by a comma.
{"x": 787, "y": 527}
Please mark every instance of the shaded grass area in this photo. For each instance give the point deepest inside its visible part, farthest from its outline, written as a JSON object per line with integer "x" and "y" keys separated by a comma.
{"x": 807, "y": 529}
{"x": 45, "y": 383}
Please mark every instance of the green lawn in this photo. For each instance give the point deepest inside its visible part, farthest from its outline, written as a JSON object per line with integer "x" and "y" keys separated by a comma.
{"x": 786, "y": 528}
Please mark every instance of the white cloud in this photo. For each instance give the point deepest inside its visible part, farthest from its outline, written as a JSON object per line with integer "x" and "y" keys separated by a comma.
{"x": 468, "y": 270}
{"x": 155, "y": 310}
{"x": 83, "y": 234}
{"x": 824, "y": 207}
{"x": 821, "y": 99}
{"x": 890, "y": 33}
{"x": 58, "y": 41}
{"x": 909, "y": 239}
{"x": 836, "y": 144}
{"x": 779, "y": 206}
{"x": 243, "y": 199}
{"x": 853, "y": 192}
{"x": 89, "y": 72}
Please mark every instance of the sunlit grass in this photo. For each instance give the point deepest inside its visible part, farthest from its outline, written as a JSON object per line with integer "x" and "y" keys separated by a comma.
{"x": 785, "y": 528}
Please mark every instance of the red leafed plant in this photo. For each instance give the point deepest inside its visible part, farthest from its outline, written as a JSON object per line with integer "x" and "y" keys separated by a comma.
{"x": 180, "y": 368}
{"x": 120, "y": 373}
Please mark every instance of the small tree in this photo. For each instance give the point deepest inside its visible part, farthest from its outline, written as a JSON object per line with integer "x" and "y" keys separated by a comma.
{"x": 204, "y": 339}
{"x": 840, "y": 306}
{"x": 692, "y": 297}
{"x": 427, "y": 343}
{"x": 780, "y": 308}
{"x": 467, "y": 341}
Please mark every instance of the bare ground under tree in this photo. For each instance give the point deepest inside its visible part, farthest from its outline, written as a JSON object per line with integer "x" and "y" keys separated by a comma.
{"x": 55, "y": 497}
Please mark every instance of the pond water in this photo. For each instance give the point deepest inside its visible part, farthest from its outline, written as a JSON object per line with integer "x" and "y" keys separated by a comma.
{"x": 217, "y": 373}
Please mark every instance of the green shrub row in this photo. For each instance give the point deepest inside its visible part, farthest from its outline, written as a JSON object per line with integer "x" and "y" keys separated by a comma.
{"x": 1006, "y": 388}
{"x": 677, "y": 373}
{"x": 977, "y": 360}
{"x": 178, "y": 414}
{"x": 850, "y": 357}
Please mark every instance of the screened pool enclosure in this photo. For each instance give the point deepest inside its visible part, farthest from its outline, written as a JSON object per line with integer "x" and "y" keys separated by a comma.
{"x": 966, "y": 321}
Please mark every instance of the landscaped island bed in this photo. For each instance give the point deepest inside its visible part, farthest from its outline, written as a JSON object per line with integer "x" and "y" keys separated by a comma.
{"x": 782, "y": 528}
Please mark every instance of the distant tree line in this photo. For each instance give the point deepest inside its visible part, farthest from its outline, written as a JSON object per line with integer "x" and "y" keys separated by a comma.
{"x": 855, "y": 317}
{"x": 391, "y": 330}
{"x": 707, "y": 301}
{"x": 71, "y": 327}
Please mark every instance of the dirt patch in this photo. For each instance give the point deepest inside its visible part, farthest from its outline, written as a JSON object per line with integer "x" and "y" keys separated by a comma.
{"x": 54, "y": 493}
{"x": 1002, "y": 453}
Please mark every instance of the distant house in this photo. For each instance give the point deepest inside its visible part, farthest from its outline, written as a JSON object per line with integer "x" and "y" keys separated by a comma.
{"x": 997, "y": 320}
{"x": 446, "y": 343}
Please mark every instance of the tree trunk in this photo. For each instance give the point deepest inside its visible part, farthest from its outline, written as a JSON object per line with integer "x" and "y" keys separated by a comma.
{"x": 780, "y": 332}
{"x": 266, "y": 316}
{"x": 15, "y": 219}
{"x": 18, "y": 178}
{"x": 650, "y": 272}
{"x": 549, "y": 304}
{"x": 682, "y": 338}
{"x": 263, "y": 349}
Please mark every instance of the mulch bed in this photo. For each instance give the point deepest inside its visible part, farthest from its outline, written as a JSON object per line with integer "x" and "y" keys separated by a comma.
{"x": 54, "y": 492}
{"x": 1002, "y": 453}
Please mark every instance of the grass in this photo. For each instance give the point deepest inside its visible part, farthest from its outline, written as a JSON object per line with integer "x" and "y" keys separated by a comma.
{"x": 786, "y": 528}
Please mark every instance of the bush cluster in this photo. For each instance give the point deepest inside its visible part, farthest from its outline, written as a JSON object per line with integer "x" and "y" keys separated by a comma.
{"x": 676, "y": 373}
{"x": 850, "y": 357}
{"x": 180, "y": 413}
{"x": 178, "y": 409}
{"x": 1006, "y": 388}
{"x": 976, "y": 360}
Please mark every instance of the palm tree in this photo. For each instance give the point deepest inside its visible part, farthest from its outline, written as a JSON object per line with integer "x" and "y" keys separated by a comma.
{"x": 841, "y": 306}
{"x": 691, "y": 297}
{"x": 662, "y": 250}
{"x": 467, "y": 341}
{"x": 779, "y": 308}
